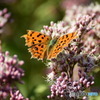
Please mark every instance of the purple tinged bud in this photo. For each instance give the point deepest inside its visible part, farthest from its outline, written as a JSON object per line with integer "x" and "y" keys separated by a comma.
{"x": 50, "y": 29}
{"x": 78, "y": 87}
{"x": 84, "y": 81}
{"x": 7, "y": 53}
{"x": 92, "y": 82}
{"x": 13, "y": 61}
{"x": 62, "y": 92}
{"x": 52, "y": 95}
{"x": 2, "y": 58}
{"x": 4, "y": 10}
{"x": 61, "y": 96}
{"x": 75, "y": 83}
{"x": 53, "y": 86}
{"x": 63, "y": 74}
{"x": 64, "y": 86}
{"x": 7, "y": 15}
{"x": 63, "y": 82}
{"x": 84, "y": 98}
{"x": 51, "y": 23}
{"x": 62, "y": 61}
{"x": 46, "y": 27}
{"x": 48, "y": 97}
{"x": 1, "y": 24}
{"x": 60, "y": 89}
{"x": 15, "y": 56}
{"x": 88, "y": 84}
{"x": 66, "y": 78}
{"x": 1, "y": 13}
{"x": 57, "y": 93}
{"x": 21, "y": 63}
{"x": 81, "y": 79}
{"x": 58, "y": 82}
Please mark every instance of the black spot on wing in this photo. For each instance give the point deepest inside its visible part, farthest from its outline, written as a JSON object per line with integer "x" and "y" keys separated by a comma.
{"x": 42, "y": 46}
{"x": 63, "y": 44}
{"x": 42, "y": 37}
{"x": 61, "y": 41}
{"x": 64, "y": 40}
{"x": 47, "y": 38}
{"x": 32, "y": 42}
{"x": 66, "y": 36}
{"x": 39, "y": 40}
{"x": 30, "y": 34}
{"x": 58, "y": 48}
{"x": 36, "y": 48}
{"x": 39, "y": 45}
{"x": 39, "y": 35}
{"x": 33, "y": 32}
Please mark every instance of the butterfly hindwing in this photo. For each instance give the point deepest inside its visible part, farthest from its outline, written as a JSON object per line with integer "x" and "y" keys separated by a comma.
{"x": 38, "y": 51}
{"x": 62, "y": 42}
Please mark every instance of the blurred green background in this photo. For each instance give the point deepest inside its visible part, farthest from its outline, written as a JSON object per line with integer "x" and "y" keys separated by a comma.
{"x": 29, "y": 14}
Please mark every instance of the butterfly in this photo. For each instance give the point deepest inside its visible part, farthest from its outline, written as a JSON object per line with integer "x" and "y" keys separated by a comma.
{"x": 42, "y": 46}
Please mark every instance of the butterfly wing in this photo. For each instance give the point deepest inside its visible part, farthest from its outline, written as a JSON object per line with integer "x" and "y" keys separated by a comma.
{"x": 37, "y": 42}
{"x": 62, "y": 42}
{"x": 38, "y": 51}
{"x": 33, "y": 38}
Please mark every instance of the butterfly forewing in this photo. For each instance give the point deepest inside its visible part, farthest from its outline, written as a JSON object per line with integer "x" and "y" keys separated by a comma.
{"x": 62, "y": 42}
{"x": 33, "y": 38}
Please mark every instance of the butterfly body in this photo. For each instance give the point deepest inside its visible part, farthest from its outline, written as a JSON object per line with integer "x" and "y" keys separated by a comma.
{"x": 43, "y": 46}
{"x": 52, "y": 42}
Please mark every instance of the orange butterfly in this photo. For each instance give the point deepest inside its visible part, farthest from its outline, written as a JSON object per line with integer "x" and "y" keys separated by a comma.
{"x": 43, "y": 46}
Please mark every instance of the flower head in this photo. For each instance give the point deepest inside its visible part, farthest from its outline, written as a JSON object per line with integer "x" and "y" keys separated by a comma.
{"x": 9, "y": 68}
{"x": 16, "y": 95}
{"x": 64, "y": 85}
{"x": 10, "y": 72}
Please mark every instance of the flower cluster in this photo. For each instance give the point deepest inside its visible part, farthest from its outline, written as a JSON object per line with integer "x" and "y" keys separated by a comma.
{"x": 75, "y": 12}
{"x": 64, "y": 85}
{"x": 10, "y": 72}
{"x": 93, "y": 29}
{"x": 9, "y": 68}
{"x": 4, "y": 17}
{"x": 55, "y": 29}
{"x": 88, "y": 25}
{"x": 71, "y": 70}
{"x": 16, "y": 95}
